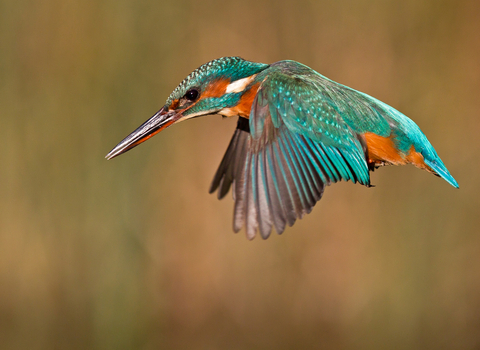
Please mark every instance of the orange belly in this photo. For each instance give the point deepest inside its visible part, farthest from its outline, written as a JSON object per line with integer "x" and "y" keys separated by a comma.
{"x": 382, "y": 150}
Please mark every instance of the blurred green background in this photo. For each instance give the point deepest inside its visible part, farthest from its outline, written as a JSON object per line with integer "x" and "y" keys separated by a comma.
{"x": 134, "y": 253}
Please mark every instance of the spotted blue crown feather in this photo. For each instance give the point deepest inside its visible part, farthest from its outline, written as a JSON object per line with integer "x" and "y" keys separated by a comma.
{"x": 233, "y": 67}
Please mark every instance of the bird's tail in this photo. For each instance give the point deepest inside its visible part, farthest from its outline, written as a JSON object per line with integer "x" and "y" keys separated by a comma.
{"x": 441, "y": 170}
{"x": 419, "y": 152}
{"x": 406, "y": 144}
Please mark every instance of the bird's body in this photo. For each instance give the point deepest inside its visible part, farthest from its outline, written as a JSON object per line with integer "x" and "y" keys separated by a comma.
{"x": 298, "y": 132}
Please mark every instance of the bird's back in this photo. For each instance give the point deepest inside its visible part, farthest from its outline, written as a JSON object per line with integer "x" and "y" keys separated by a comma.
{"x": 390, "y": 136}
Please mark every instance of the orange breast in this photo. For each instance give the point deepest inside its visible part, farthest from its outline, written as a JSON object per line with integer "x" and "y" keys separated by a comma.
{"x": 245, "y": 105}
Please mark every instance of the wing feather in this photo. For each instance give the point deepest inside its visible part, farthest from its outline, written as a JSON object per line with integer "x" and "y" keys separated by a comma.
{"x": 304, "y": 182}
{"x": 315, "y": 183}
{"x": 263, "y": 205}
{"x": 235, "y": 155}
{"x": 296, "y": 144}
{"x": 250, "y": 214}
{"x": 274, "y": 187}
{"x": 292, "y": 176}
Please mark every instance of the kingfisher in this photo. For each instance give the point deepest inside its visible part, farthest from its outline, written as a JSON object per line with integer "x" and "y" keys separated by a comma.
{"x": 297, "y": 133}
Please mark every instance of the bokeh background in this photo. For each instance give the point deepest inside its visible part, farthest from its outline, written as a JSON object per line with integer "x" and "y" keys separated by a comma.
{"x": 134, "y": 253}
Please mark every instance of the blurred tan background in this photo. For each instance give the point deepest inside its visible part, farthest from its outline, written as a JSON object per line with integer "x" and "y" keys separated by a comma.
{"x": 134, "y": 253}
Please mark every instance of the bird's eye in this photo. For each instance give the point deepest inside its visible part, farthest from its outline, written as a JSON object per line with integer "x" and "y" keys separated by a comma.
{"x": 192, "y": 94}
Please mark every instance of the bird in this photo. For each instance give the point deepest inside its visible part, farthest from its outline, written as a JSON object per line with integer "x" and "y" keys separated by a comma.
{"x": 297, "y": 132}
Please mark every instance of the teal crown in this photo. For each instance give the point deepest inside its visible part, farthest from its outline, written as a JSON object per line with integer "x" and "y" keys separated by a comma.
{"x": 233, "y": 68}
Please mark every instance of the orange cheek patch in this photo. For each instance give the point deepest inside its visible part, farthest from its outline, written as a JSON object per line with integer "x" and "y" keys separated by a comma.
{"x": 245, "y": 104}
{"x": 216, "y": 88}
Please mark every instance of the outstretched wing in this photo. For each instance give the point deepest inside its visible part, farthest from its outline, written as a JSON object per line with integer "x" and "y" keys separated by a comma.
{"x": 295, "y": 144}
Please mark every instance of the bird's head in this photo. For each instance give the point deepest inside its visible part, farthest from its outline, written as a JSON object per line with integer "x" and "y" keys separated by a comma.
{"x": 216, "y": 87}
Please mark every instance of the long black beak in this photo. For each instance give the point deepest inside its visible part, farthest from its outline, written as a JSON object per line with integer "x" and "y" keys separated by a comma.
{"x": 161, "y": 120}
